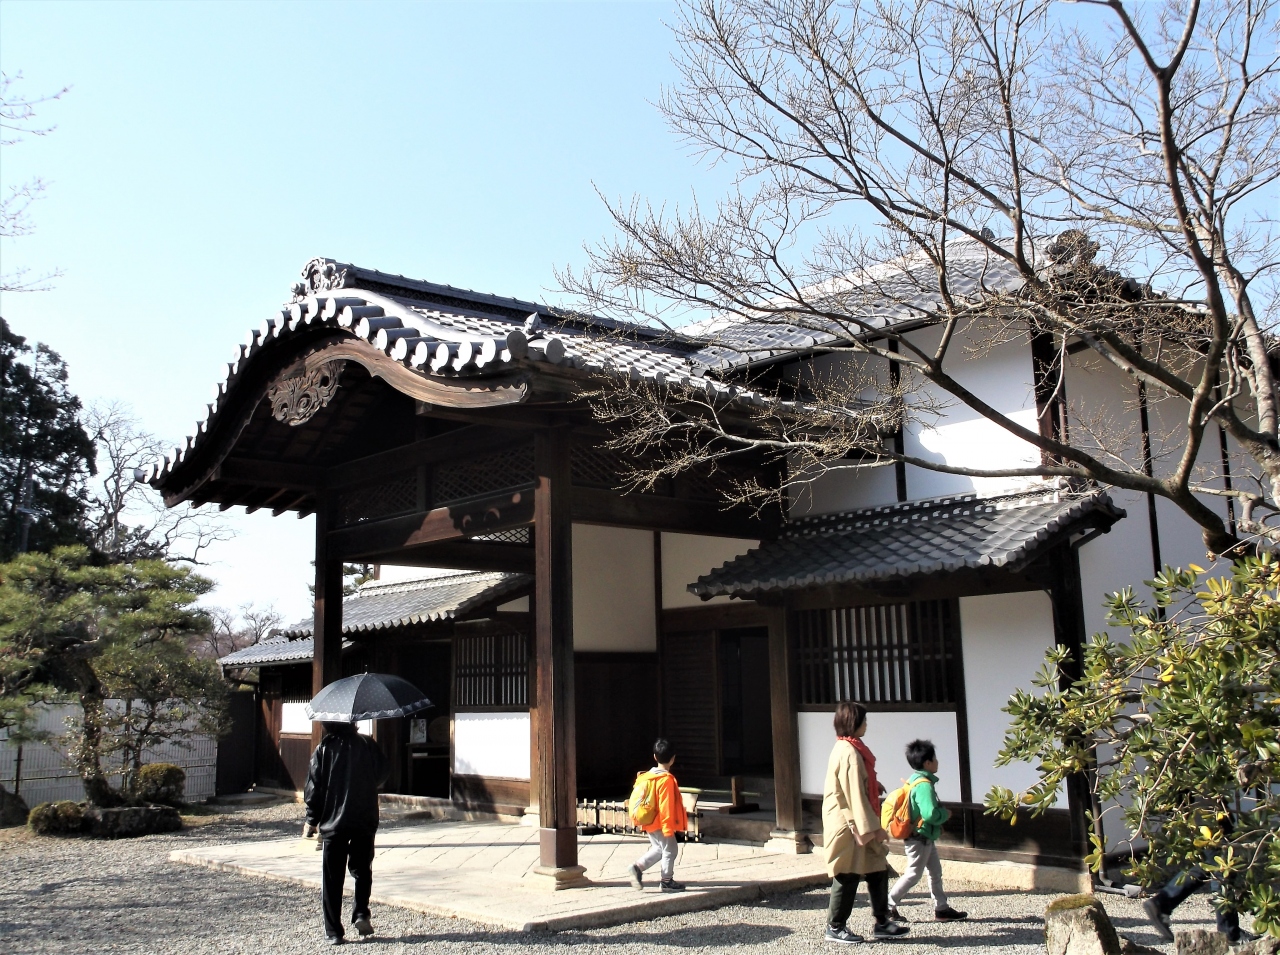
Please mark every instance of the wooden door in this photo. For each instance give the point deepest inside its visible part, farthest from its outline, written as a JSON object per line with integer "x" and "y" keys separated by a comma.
{"x": 690, "y": 701}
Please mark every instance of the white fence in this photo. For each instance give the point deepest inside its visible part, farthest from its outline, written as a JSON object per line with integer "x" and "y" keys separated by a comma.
{"x": 42, "y": 773}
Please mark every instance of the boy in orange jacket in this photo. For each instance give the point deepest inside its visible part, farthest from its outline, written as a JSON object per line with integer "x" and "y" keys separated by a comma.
{"x": 670, "y": 819}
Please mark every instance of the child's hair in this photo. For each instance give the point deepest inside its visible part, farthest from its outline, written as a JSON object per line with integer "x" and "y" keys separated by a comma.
{"x": 849, "y": 716}
{"x": 663, "y": 750}
{"x": 919, "y": 752}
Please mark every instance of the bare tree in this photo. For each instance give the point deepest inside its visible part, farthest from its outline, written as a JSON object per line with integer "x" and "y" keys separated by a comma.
{"x": 230, "y": 631}
{"x": 1095, "y": 176}
{"x": 126, "y": 521}
{"x": 18, "y": 119}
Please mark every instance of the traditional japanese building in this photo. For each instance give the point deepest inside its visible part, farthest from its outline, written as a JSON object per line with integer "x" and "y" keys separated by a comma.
{"x": 425, "y": 425}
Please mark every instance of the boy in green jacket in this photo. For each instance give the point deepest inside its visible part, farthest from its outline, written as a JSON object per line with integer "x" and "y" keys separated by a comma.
{"x": 920, "y": 847}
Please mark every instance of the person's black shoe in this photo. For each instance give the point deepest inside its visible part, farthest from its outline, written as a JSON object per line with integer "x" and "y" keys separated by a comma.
{"x": 362, "y": 925}
{"x": 333, "y": 939}
{"x": 949, "y": 915}
{"x": 894, "y": 915}
{"x": 637, "y": 877}
{"x": 1240, "y": 936}
{"x": 1159, "y": 921}
{"x": 671, "y": 885}
{"x": 840, "y": 934}
{"x": 890, "y": 930}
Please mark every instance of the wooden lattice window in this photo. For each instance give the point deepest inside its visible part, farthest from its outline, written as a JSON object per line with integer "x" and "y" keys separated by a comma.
{"x": 492, "y": 670}
{"x": 473, "y": 477}
{"x": 903, "y": 654}
{"x": 370, "y": 502}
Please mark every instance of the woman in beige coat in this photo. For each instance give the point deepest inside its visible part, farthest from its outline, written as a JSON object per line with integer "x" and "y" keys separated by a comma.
{"x": 855, "y": 843}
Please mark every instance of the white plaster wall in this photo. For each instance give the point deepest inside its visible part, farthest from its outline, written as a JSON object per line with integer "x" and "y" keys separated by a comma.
{"x": 686, "y": 557}
{"x": 294, "y": 719}
{"x": 1001, "y": 376}
{"x": 613, "y": 584}
{"x": 519, "y": 605}
{"x": 1003, "y": 638}
{"x": 887, "y": 737}
{"x": 847, "y": 490}
{"x": 491, "y": 744}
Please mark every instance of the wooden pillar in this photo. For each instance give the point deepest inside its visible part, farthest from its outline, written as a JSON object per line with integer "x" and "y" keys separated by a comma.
{"x": 789, "y": 835}
{"x": 326, "y": 660}
{"x": 1069, "y": 628}
{"x": 556, "y": 776}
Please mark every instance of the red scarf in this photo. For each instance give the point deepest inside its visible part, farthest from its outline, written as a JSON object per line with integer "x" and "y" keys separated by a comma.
{"x": 869, "y": 763}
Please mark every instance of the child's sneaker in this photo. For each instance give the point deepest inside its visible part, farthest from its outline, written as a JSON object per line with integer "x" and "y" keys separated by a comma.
{"x": 363, "y": 925}
{"x": 1159, "y": 920}
{"x": 671, "y": 885}
{"x": 838, "y": 933}
{"x": 890, "y": 930}
{"x": 948, "y": 915}
{"x": 637, "y": 878}
{"x": 894, "y": 915}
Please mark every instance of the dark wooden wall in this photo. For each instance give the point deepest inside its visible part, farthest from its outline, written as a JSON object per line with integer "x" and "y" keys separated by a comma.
{"x": 691, "y": 702}
{"x": 616, "y": 699}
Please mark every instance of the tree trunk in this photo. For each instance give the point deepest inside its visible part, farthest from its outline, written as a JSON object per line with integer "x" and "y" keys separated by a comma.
{"x": 87, "y": 753}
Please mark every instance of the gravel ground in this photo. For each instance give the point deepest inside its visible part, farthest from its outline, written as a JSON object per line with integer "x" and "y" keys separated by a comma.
{"x": 84, "y": 896}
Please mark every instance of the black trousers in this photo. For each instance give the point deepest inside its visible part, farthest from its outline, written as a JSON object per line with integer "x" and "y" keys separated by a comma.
{"x": 342, "y": 850}
{"x": 1182, "y": 886}
{"x": 844, "y": 888}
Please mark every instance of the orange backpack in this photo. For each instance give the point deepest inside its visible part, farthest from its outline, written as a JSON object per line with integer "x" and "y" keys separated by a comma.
{"x": 895, "y": 812}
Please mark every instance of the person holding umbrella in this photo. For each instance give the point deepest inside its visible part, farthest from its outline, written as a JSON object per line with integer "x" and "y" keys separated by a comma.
{"x": 341, "y": 794}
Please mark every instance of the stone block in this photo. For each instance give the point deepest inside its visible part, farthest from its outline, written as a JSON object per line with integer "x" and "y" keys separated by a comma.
{"x": 131, "y": 821}
{"x": 1079, "y": 925}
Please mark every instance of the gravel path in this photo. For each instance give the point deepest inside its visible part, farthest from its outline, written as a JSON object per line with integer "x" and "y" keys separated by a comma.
{"x": 84, "y": 896}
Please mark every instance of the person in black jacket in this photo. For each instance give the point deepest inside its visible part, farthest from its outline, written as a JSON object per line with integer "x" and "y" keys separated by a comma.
{"x": 341, "y": 796}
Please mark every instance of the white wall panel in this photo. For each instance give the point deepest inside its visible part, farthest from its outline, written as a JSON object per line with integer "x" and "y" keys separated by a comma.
{"x": 294, "y": 719}
{"x": 1004, "y": 639}
{"x": 686, "y": 557}
{"x": 491, "y": 744}
{"x": 613, "y": 584}
{"x": 887, "y": 737}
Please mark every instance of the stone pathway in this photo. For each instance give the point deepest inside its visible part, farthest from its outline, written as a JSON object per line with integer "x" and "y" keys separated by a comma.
{"x": 484, "y": 872}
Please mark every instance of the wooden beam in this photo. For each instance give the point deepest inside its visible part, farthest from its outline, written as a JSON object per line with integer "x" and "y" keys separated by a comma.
{"x": 277, "y": 474}
{"x": 553, "y": 626}
{"x": 451, "y": 445}
{"x": 463, "y": 555}
{"x": 653, "y": 512}
{"x": 454, "y": 522}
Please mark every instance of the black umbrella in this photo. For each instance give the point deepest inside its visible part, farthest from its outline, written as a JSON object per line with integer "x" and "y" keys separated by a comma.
{"x": 367, "y": 696}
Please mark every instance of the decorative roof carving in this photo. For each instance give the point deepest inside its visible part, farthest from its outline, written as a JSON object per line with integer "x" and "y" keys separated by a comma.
{"x": 320, "y": 275}
{"x": 295, "y": 400}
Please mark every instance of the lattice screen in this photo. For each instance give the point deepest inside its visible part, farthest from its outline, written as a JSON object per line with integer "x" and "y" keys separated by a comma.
{"x": 369, "y": 502}
{"x": 456, "y": 481}
{"x": 889, "y": 653}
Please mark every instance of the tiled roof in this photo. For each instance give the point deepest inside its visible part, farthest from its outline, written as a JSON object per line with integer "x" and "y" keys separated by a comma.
{"x": 441, "y": 331}
{"x": 273, "y": 650}
{"x": 907, "y": 540}
{"x": 895, "y": 293}
{"x": 379, "y": 606}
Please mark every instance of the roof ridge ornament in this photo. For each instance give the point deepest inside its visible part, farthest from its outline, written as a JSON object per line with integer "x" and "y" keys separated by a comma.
{"x": 320, "y": 275}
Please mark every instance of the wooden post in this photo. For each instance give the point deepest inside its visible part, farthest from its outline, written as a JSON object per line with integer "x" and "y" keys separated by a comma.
{"x": 326, "y": 660}
{"x": 1069, "y": 628}
{"x": 789, "y": 835}
{"x": 553, "y": 641}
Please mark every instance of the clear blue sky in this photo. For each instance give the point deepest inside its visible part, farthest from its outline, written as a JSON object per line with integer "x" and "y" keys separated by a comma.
{"x": 207, "y": 150}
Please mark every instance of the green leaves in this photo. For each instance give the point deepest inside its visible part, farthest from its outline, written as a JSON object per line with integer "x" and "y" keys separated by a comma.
{"x": 1177, "y": 730}
{"x": 74, "y": 627}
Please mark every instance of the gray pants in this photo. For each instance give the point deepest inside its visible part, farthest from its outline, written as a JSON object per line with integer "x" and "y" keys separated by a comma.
{"x": 660, "y": 847}
{"x": 922, "y": 856}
